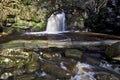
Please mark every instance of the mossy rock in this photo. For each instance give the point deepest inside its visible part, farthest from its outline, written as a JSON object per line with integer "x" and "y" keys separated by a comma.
{"x": 31, "y": 66}
{"x": 113, "y": 50}
{"x": 56, "y": 71}
{"x": 73, "y": 53}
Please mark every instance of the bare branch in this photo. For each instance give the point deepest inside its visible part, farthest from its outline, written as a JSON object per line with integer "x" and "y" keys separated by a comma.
{"x": 94, "y": 6}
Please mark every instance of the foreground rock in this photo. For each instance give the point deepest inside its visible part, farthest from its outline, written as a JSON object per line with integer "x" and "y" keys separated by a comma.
{"x": 56, "y": 71}
{"x": 16, "y": 62}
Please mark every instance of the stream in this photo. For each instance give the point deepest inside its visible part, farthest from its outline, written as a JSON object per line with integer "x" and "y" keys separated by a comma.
{"x": 90, "y": 66}
{"x": 20, "y": 61}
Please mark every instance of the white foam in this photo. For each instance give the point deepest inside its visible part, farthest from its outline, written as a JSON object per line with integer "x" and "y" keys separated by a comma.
{"x": 43, "y": 74}
{"x": 44, "y": 32}
{"x": 108, "y": 66}
{"x": 63, "y": 66}
{"x": 81, "y": 74}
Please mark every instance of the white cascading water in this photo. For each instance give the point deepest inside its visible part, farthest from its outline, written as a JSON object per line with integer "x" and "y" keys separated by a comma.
{"x": 55, "y": 24}
{"x": 82, "y": 74}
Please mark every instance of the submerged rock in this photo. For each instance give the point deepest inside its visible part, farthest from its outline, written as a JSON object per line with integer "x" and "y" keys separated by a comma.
{"x": 73, "y": 53}
{"x": 68, "y": 64}
{"x": 25, "y": 77}
{"x": 55, "y": 70}
{"x": 46, "y": 77}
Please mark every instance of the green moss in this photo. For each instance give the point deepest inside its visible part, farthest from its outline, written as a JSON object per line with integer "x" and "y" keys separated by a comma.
{"x": 34, "y": 13}
{"x": 31, "y": 23}
{"x": 40, "y": 25}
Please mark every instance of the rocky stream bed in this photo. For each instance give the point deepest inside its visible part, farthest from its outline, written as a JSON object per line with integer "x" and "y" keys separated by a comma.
{"x": 57, "y": 63}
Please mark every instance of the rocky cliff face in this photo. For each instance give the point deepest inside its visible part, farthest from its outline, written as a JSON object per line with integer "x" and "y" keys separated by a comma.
{"x": 32, "y": 15}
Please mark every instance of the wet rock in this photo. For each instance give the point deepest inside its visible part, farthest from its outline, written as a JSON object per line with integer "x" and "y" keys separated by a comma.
{"x": 19, "y": 53}
{"x": 105, "y": 76}
{"x": 26, "y": 68}
{"x": 47, "y": 55}
{"x": 18, "y": 61}
{"x": 33, "y": 56}
{"x": 19, "y": 71}
{"x": 14, "y": 53}
{"x": 18, "y": 66}
{"x": 68, "y": 64}
{"x": 93, "y": 60}
{"x": 95, "y": 48}
{"x": 25, "y": 77}
{"x": 113, "y": 50}
{"x": 117, "y": 58}
{"x": 31, "y": 67}
{"x": 51, "y": 55}
{"x": 55, "y": 70}
{"x": 6, "y": 62}
{"x": 73, "y": 53}
{"x": 6, "y": 75}
{"x": 47, "y": 77}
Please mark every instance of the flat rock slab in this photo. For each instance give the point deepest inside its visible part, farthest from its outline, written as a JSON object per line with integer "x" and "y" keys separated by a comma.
{"x": 65, "y": 40}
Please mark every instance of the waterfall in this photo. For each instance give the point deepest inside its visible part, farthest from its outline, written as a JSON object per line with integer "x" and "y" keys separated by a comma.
{"x": 55, "y": 24}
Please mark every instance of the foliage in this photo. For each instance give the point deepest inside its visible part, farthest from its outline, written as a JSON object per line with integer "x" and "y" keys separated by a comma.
{"x": 34, "y": 13}
{"x": 107, "y": 20}
{"x": 19, "y": 13}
